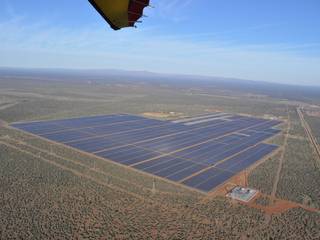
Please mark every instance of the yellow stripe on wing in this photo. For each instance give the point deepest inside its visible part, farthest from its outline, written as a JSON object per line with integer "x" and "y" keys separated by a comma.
{"x": 116, "y": 11}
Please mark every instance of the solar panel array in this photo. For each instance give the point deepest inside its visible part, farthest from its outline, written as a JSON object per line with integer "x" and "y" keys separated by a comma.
{"x": 200, "y": 152}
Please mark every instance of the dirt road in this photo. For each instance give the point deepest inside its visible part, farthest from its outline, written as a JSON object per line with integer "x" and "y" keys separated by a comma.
{"x": 283, "y": 150}
{"x": 311, "y": 138}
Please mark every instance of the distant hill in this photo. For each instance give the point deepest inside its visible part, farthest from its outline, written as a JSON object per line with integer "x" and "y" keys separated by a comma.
{"x": 309, "y": 94}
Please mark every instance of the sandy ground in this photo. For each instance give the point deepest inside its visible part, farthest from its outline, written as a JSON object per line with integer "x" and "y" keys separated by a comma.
{"x": 8, "y": 105}
{"x": 162, "y": 115}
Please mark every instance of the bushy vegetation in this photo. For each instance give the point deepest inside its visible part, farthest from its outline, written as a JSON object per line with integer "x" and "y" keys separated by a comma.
{"x": 296, "y": 129}
{"x": 263, "y": 176}
{"x": 300, "y": 177}
{"x": 40, "y": 200}
{"x": 75, "y": 201}
{"x": 294, "y": 224}
{"x": 35, "y": 99}
{"x": 314, "y": 123}
{"x": 68, "y": 205}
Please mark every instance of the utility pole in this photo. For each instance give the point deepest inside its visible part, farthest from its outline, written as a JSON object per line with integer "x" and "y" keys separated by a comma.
{"x": 246, "y": 178}
{"x": 154, "y": 186}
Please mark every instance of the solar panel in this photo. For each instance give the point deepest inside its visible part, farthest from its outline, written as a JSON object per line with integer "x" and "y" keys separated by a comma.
{"x": 201, "y": 152}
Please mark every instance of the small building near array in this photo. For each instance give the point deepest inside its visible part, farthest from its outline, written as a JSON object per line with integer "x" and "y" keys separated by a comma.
{"x": 242, "y": 194}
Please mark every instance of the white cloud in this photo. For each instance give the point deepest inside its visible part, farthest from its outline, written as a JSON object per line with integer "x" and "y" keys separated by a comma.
{"x": 44, "y": 45}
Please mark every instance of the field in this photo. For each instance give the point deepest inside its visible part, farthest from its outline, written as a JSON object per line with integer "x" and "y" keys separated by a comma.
{"x": 51, "y": 191}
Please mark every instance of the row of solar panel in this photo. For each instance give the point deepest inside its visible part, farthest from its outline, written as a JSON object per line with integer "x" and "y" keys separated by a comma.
{"x": 140, "y": 134}
{"x": 88, "y": 124}
{"x": 108, "y": 124}
{"x": 211, "y": 178}
{"x": 57, "y": 133}
{"x": 196, "y": 136}
{"x": 167, "y": 138}
{"x": 171, "y": 150}
{"x": 205, "y": 154}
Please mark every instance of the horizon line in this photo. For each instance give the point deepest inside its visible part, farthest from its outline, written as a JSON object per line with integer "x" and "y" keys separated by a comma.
{"x": 167, "y": 74}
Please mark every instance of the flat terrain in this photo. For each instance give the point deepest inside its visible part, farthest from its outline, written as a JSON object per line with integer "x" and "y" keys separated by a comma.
{"x": 200, "y": 152}
{"x": 51, "y": 191}
{"x": 314, "y": 124}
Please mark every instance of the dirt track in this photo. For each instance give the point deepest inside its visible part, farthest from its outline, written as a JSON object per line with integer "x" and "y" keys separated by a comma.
{"x": 3, "y": 107}
{"x": 277, "y": 177}
{"x": 312, "y": 139}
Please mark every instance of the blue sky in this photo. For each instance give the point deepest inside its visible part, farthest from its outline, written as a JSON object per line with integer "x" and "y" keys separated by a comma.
{"x": 268, "y": 40}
